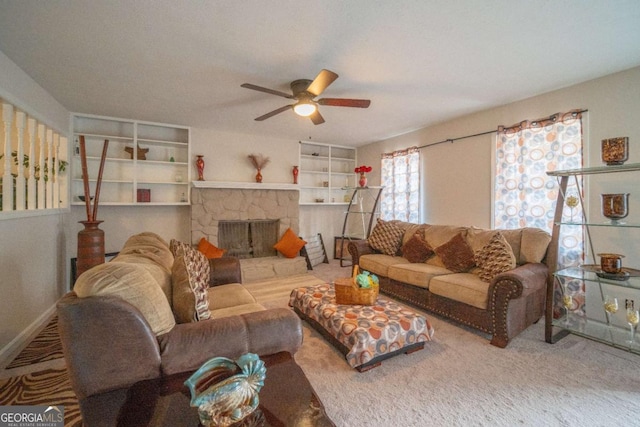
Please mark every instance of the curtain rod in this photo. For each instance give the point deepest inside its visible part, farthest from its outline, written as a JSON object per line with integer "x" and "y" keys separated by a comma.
{"x": 451, "y": 140}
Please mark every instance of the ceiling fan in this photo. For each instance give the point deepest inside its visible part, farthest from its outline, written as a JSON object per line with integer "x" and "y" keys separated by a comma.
{"x": 304, "y": 91}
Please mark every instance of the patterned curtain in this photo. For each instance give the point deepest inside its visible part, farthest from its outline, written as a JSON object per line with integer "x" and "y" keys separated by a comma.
{"x": 401, "y": 181}
{"x": 525, "y": 196}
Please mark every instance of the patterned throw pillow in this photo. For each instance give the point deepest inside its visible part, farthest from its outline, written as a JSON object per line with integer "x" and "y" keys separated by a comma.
{"x": 386, "y": 237}
{"x": 456, "y": 254}
{"x": 417, "y": 249}
{"x": 495, "y": 258}
{"x": 190, "y": 281}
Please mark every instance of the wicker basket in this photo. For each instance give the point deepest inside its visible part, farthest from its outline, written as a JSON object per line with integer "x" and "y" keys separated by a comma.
{"x": 347, "y": 292}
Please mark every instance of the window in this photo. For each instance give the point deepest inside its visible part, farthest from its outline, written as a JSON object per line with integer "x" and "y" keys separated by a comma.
{"x": 525, "y": 196}
{"x": 400, "y": 176}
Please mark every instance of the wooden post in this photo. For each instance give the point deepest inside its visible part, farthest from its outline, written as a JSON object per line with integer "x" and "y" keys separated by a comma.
{"x": 31, "y": 179}
{"x": 20, "y": 181}
{"x": 7, "y": 179}
{"x": 41, "y": 147}
{"x": 48, "y": 172}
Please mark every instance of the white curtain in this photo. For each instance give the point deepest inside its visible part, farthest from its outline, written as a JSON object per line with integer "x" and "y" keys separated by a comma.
{"x": 400, "y": 177}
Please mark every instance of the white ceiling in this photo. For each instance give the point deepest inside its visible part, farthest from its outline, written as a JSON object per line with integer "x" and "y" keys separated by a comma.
{"x": 420, "y": 62}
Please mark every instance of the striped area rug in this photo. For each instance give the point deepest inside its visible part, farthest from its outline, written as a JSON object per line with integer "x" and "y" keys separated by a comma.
{"x": 44, "y": 347}
{"x": 48, "y": 387}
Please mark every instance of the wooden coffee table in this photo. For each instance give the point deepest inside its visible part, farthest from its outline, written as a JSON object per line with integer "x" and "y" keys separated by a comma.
{"x": 287, "y": 399}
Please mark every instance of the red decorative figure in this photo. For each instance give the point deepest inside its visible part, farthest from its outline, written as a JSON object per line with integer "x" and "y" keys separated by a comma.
{"x": 295, "y": 174}
{"x": 200, "y": 166}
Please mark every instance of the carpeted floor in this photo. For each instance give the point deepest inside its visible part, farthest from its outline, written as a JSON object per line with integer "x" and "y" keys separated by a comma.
{"x": 457, "y": 380}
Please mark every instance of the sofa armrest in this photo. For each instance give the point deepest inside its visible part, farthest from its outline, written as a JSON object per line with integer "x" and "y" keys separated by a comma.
{"x": 530, "y": 278}
{"x": 357, "y": 248}
{"x": 107, "y": 344}
{"x": 188, "y": 345}
{"x": 225, "y": 270}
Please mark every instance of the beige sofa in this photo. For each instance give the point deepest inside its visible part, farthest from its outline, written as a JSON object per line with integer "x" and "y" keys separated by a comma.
{"x": 501, "y": 297}
{"x": 137, "y": 318}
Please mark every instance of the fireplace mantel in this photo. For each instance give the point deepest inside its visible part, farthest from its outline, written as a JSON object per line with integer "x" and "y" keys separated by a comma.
{"x": 246, "y": 185}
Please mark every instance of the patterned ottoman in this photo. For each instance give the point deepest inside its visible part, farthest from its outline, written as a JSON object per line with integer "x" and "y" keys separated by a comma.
{"x": 366, "y": 335}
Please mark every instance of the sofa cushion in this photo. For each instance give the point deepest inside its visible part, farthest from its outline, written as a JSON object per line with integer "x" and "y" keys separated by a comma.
{"x": 386, "y": 237}
{"x": 514, "y": 238}
{"x": 478, "y": 238}
{"x": 456, "y": 254}
{"x": 228, "y": 295}
{"x": 533, "y": 247}
{"x": 289, "y": 244}
{"x": 134, "y": 284}
{"x": 462, "y": 287}
{"x": 190, "y": 280}
{"x": 418, "y": 274}
{"x": 379, "y": 263}
{"x": 416, "y": 249}
{"x": 236, "y": 310}
{"x": 210, "y": 250}
{"x": 494, "y": 258}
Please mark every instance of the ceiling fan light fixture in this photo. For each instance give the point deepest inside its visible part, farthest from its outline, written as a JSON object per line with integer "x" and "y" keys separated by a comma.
{"x": 305, "y": 108}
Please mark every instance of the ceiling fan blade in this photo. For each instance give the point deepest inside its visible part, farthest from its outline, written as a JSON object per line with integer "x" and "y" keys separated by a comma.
{"x": 317, "y": 118}
{"x": 273, "y": 113}
{"x": 321, "y": 82}
{"x": 266, "y": 90}
{"x": 344, "y": 102}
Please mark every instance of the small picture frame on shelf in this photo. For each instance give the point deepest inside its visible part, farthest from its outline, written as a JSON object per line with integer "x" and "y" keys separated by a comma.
{"x": 144, "y": 195}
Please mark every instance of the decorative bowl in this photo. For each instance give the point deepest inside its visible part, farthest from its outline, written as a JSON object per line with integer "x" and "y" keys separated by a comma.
{"x": 615, "y": 151}
{"x": 615, "y": 206}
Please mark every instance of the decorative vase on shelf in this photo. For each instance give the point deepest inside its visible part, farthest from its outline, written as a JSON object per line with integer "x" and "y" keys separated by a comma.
{"x": 295, "y": 174}
{"x": 200, "y": 166}
{"x": 363, "y": 180}
{"x": 258, "y": 176}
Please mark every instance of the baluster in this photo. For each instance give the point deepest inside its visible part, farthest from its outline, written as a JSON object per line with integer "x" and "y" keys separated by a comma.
{"x": 63, "y": 150}
{"x": 54, "y": 172}
{"x": 48, "y": 170}
{"x": 20, "y": 181}
{"x": 31, "y": 180}
{"x": 7, "y": 179}
{"x": 41, "y": 148}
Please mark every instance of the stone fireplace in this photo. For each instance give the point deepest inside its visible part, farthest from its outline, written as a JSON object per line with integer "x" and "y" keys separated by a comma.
{"x": 239, "y": 205}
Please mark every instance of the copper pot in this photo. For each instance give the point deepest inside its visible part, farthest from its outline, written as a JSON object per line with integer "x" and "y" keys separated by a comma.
{"x": 611, "y": 263}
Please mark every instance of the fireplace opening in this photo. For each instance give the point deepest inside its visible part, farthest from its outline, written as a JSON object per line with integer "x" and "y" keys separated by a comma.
{"x": 250, "y": 238}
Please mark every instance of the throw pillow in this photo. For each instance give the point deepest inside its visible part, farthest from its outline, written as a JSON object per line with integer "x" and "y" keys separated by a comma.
{"x": 416, "y": 249}
{"x": 209, "y": 249}
{"x": 456, "y": 254}
{"x": 386, "y": 237}
{"x": 495, "y": 258}
{"x": 290, "y": 244}
{"x": 190, "y": 281}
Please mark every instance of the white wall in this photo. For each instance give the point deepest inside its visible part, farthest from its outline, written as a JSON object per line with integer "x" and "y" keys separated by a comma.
{"x": 32, "y": 250}
{"x": 456, "y": 179}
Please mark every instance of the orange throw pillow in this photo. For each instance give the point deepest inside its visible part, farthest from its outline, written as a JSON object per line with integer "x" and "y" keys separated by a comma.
{"x": 290, "y": 244}
{"x": 209, "y": 250}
